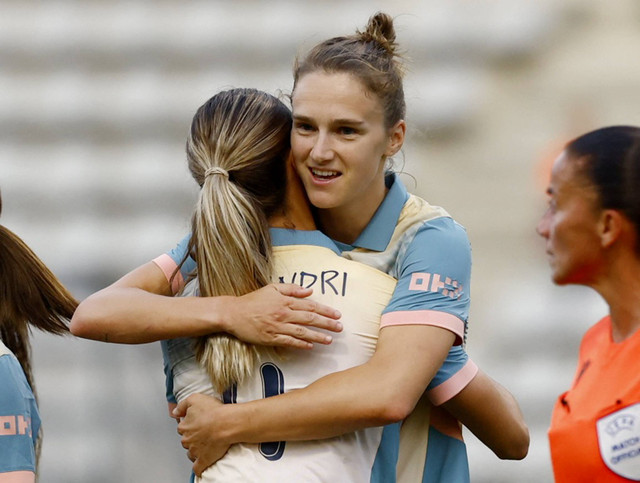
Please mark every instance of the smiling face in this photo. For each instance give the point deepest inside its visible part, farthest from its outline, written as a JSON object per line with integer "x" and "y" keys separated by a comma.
{"x": 340, "y": 143}
{"x": 571, "y": 225}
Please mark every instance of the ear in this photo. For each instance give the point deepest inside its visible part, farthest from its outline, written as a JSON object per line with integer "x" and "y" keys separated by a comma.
{"x": 396, "y": 138}
{"x": 611, "y": 227}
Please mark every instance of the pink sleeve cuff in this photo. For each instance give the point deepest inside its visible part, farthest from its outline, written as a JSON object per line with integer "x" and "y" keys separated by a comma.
{"x": 168, "y": 267}
{"x": 452, "y": 386}
{"x": 18, "y": 477}
{"x": 426, "y": 317}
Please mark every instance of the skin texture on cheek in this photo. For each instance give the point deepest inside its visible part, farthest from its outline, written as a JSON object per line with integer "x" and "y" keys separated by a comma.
{"x": 571, "y": 225}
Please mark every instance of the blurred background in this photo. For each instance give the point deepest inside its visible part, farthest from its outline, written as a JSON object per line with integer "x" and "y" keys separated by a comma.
{"x": 96, "y": 98}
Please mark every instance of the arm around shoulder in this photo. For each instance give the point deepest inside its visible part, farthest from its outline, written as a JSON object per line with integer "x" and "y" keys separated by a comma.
{"x": 139, "y": 308}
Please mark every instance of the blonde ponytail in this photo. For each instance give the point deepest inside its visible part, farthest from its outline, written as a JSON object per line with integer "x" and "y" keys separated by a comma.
{"x": 236, "y": 151}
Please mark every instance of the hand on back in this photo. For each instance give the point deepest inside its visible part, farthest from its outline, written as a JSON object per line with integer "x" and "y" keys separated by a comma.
{"x": 281, "y": 315}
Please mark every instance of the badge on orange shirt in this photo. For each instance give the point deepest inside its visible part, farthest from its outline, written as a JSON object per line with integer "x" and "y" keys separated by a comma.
{"x": 619, "y": 441}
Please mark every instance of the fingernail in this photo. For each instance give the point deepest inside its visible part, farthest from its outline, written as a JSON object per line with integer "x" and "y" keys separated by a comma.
{"x": 338, "y": 326}
{"x": 328, "y": 339}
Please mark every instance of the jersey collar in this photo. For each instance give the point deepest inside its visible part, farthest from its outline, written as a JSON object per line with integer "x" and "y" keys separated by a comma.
{"x": 377, "y": 234}
{"x": 286, "y": 236}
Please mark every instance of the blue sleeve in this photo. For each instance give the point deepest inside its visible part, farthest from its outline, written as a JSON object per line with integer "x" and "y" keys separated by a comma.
{"x": 19, "y": 418}
{"x": 168, "y": 372}
{"x": 434, "y": 271}
{"x": 178, "y": 253}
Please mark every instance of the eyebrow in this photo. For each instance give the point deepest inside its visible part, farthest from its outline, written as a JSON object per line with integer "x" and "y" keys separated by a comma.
{"x": 301, "y": 118}
{"x": 351, "y": 122}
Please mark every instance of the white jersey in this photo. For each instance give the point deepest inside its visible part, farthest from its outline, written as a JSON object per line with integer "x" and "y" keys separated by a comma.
{"x": 360, "y": 293}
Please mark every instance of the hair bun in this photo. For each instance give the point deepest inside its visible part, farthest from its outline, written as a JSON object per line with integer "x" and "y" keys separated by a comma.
{"x": 380, "y": 30}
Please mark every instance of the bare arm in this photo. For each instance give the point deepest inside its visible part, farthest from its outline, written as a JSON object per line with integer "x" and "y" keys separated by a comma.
{"x": 492, "y": 414}
{"x": 139, "y": 308}
{"x": 383, "y": 390}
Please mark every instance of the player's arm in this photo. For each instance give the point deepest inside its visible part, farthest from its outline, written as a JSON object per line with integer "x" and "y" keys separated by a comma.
{"x": 478, "y": 402}
{"x": 492, "y": 414}
{"x": 384, "y": 390}
{"x": 139, "y": 308}
{"x": 381, "y": 391}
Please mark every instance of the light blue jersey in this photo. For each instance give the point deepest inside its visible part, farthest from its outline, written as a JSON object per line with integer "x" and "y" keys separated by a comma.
{"x": 429, "y": 254}
{"x": 19, "y": 420}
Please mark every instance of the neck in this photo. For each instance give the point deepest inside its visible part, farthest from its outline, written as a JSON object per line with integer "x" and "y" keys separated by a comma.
{"x": 621, "y": 291}
{"x": 346, "y": 223}
{"x": 339, "y": 225}
{"x": 296, "y": 213}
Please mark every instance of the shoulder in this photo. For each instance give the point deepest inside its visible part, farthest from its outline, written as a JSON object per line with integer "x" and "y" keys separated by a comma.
{"x": 16, "y": 393}
{"x": 444, "y": 230}
{"x": 169, "y": 262}
{"x": 598, "y": 331}
{"x": 421, "y": 222}
{"x": 440, "y": 242}
{"x": 179, "y": 252}
{"x": 3, "y": 349}
{"x": 597, "y": 335}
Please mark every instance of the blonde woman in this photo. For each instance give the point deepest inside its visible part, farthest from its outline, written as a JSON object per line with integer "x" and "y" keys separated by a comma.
{"x": 237, "y": 152}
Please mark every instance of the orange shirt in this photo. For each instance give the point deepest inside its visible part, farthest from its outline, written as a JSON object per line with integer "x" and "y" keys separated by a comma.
{"x": 595, "y": 427}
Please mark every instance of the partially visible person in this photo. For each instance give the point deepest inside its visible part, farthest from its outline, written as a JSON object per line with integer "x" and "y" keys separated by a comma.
{"x": 592, "y": 233}
{"x": 30, "y": 296}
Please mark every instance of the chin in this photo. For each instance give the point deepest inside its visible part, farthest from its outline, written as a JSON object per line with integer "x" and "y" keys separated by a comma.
{"x": 572, "y": 278}
{"x": 558, "y": 277}
{"x": 559, "y": 280}
{"x": 321, "y": 202}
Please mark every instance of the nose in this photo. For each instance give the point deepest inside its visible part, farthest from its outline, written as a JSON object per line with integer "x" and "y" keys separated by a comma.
{"x": 322, "y": 150}
{"x": 543, "y": 225}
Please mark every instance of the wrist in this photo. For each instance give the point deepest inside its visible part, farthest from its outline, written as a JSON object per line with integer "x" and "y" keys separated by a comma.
{"x": 208, "y": 315}
{"x": 222, "y": 313}
{"x": 232, "y": 424}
